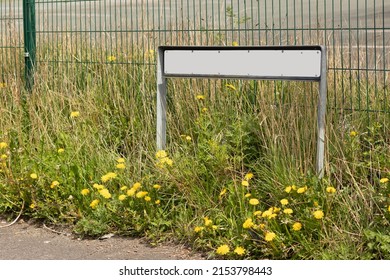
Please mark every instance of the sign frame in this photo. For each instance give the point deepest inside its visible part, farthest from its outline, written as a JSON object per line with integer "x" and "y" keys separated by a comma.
{"x": 169, "y": 55}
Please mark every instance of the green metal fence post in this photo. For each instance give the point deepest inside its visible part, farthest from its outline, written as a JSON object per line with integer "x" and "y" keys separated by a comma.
{"x": 29, "y": 41}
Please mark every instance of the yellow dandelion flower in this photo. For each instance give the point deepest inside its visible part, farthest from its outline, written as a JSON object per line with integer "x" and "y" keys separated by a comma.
{"x": 284, "y": 201}
{"x": 200, "y": 97}
{"x": 161, "y": 154}
{"x": 269, "y": 236}
{"x": 3, "y": 157}
{"x": 223, "y": 192}
{"x": 383, "y": 180}
{"x": 288, "y": 211}
{"x": 214, "y": 227}
{"x": 157, "y": 202}
{"x": 267, "y": 213}
{"x": 105, "y": 193}
{"x": 123, "y": 188}
{"x": 122, "y": 197}
{"x": 254, "y": 201}
{"x": 247, "y": 195}
{"x": 147, "y": 198}
{"x": 136, "y": 186}
{"x": 231, "y": 87}
{"x": 111, "y": 58}
{"x": 32, "y": 206}
{"x": 249, "y": 176}
{"x": 131, "y": 192}
{"x": 105, "y": 178}
{"x": 85, "y": 191}
{"x": 54, "y": 184}
{"x": 388, "y": 209}
{"x": 234, "y": 43}
{"x": 302, "y": 190}
{"x": 275, "y": 209}
{"x": 33, "y": 176}
{"x": 98, "y": 187}
{"x": 207, "y": 222}
{"x": 168, "y": 161}
{"x": 261, "y": 226}
{"x": 74, "y": 114}
{"x": 319, "y": 214}
{"x": 330, "y": 189}
{"x": 109, "y": 176}
{"x": 257, "y": 213}
{"x": 353, "y": 133}
{"x": 239, "y": 251}
{"x": 156, "y": 186}
{"x": 60, "y": 150}
{"x": 164, "y": 161}
{"x": 288, "y": 189}
{"x": 198, "y": 229}
{"x": 3, "y": 145}
{"x": 94, "y": 203}
{"x": 120, "y": 160}
{"x": 272, "y": 216}
{"x": 245, "y": 183}
{"x": 297, "y": 226}
{"x": 149, "y": 53}
{"x": 294, "y": 188}
{"x": 223, "y": 250}
{"x": 188, "y": 138}
{"x": 141, "y": 194}
{"x": 120, "y": 166}
{"x": 248, "y": 223}
{"x": 204, "y": 110}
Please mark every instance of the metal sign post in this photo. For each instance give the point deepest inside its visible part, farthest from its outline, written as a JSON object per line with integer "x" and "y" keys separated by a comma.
{"x": 30, "y": 41}
{"x": 293, "y": 63}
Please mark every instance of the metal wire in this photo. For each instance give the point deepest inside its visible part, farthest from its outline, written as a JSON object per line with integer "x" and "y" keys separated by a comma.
{"x": 127, "y": 32}
{"x": 11, "y": 44}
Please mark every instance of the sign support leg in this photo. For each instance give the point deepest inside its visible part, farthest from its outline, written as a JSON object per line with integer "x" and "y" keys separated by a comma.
{"x": 161, "y": 103}
{"x": 321, "y": 116}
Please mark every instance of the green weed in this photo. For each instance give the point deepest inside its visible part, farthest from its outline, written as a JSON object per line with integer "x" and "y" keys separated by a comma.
{"x": 237, "y": 179}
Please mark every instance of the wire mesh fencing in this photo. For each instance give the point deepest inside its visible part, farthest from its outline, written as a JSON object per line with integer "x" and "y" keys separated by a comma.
{"x": 74, "y": 35}
{"x": 11, "y": 42}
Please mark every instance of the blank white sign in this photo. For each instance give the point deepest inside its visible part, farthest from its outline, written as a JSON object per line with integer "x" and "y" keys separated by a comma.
{"x": 251, "y": 64}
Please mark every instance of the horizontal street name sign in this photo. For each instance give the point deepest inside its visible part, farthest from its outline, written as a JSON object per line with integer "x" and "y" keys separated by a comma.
{"x": 251, "y": 64}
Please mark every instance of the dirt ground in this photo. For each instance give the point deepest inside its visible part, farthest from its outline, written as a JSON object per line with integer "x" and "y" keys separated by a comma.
{"x": 26, "y": 241}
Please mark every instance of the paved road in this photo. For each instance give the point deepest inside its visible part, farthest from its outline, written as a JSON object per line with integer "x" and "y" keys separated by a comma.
{"x": 362, "y": 27}
{"x": 131, "y": 14}
{"x": 24, "y": 241}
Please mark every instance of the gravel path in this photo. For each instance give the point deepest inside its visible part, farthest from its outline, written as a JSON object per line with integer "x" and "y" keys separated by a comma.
{"x": 25, "y": 241}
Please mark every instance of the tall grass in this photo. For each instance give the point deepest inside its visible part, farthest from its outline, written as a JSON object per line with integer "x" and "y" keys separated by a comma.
{"x": 218, "y": 133}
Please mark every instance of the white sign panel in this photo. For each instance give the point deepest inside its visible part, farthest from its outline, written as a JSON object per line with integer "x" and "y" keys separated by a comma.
{"x": 251, "y": 64}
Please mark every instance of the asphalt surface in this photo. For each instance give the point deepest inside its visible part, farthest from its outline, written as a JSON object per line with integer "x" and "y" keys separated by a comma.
{"x": 25, "y": 241}
{"x": 97, "y": 15}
